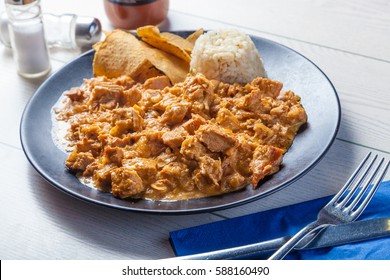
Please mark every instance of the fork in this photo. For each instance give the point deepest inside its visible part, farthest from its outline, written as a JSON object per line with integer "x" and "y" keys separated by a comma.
{"x": 346, "y": 206}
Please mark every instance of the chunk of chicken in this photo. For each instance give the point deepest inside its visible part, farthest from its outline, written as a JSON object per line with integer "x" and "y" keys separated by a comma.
{"x": 159, "y": 82}
{"x": 266, "y": 161}
{"x": 126, "y": 183}
{"x": 215, "y": 138}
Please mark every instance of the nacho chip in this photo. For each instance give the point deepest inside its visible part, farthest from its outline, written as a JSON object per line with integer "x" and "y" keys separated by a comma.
{"x": 149, "y": 31}
{"x": 151, "y": 35}
{"x": 194, "y": 36}
{"x": 179, "y": 41}
{"x": 120, "y": 54}
{"x": 173, "y": 67}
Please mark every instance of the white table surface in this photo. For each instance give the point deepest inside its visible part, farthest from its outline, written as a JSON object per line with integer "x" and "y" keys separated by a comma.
{"x": 349, "y": 40}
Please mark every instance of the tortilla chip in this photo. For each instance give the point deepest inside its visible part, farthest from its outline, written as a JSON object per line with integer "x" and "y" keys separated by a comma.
{"x": 120, "y": 54}
{"x": 149, "y": 31}
{"x": 194, "y": 36}
{"x": 178, "y": 41}
{"x": 151, "y": 35}
{"x": 173, "y": 67}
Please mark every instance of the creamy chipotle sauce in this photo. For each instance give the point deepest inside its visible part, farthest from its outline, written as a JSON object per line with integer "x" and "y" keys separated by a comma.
{"x": 194, "y": 139}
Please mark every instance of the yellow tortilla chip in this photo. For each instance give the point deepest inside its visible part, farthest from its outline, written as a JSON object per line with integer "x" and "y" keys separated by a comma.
{"x": 173, "y": 67}
{"x": 194, "y": 36}
{"x": 178, "y": 41}
{"x": 149, "y": 31}
{"x": 120, "y": 54}
{"x": 151, "y": 35}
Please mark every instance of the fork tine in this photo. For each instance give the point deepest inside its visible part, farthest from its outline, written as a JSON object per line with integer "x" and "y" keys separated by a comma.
{"x": 357, "y": 184}
{"x": 363, "y": 189}
{"x": 367, "y": 199}
{"x": 350, "y": 180}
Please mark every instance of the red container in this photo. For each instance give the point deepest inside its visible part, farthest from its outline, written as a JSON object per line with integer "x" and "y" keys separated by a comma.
{"x": 130, "y": 14}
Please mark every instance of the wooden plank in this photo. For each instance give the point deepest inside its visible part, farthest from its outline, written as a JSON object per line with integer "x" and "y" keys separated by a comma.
{"x": 14, "y": 94}
{"x": 359, "y": 26}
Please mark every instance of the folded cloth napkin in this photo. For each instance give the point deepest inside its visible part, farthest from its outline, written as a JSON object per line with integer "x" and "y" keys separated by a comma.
{"x": 284, "y": 221}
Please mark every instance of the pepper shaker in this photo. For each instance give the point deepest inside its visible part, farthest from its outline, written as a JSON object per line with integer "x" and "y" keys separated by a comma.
{"x": 27, "y": 37}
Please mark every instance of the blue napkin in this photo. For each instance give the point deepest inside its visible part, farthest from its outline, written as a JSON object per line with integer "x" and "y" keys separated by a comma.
{"x": 281, "y": 222}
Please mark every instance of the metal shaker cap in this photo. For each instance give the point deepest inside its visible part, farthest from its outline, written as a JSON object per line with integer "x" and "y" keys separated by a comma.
{"x": 88, "y": 31}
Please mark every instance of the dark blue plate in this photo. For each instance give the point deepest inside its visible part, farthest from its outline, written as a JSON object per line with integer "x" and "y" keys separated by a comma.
{"x": 281, "y": 63}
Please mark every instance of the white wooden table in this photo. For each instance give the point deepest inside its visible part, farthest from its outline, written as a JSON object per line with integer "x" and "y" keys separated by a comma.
{"x": 348, "y": 39}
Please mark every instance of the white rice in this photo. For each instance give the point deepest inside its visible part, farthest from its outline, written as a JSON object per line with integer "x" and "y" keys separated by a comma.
{"x": 227, "y": 55}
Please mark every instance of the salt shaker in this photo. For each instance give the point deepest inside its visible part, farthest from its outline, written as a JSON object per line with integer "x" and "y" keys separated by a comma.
{"x": 27, "y": 37}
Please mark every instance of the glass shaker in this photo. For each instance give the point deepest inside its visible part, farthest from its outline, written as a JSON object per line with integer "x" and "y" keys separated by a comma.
{"x": 27, "y": 37}
{"x": 70, "y": 31}
{"x": 67, "y": 31}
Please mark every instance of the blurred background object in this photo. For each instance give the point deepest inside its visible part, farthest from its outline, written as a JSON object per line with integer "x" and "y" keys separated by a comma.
{"x": 130, "y": 14}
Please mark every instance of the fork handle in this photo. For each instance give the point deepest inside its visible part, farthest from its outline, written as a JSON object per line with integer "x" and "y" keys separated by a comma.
{"x": 313, "y": 227}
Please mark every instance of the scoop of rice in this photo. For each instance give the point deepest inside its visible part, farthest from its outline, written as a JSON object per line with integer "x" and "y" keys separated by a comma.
{"x": 227, "y": 55}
